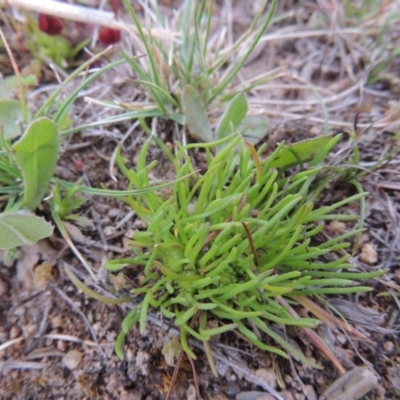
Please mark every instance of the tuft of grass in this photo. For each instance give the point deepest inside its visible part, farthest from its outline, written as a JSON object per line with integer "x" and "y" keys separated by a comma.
{"x": 188, "y": 58}
{"x": 227, "y": 245}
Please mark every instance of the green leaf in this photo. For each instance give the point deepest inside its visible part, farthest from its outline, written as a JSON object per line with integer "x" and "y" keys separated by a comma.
{"x": 22, "y": 227}
{"x": 9, "y": 83}
{"x": 300, "y": 152}
{"x": 232, "y": 117}
{"x": 10, "y": 118}
{"x": 36, "y": 154}
{"x": 254, "y": 128}
{"x": 195, "y": 115}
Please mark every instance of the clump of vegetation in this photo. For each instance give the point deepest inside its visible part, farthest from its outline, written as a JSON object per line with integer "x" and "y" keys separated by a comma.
{"x": 230, "y": 250}
{"x": 236, "y": 244}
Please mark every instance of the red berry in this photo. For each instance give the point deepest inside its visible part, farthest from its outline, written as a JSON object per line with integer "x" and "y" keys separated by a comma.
{"x": 49, "y": 24}
{"x": 109, "y": 36}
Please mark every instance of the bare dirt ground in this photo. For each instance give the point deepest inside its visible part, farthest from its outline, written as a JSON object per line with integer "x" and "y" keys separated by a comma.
{"x": 56, "y": 343}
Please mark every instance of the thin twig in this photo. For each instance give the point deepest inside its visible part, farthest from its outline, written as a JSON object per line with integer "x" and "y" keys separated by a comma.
{"x": 179, "y": 361}
{"x": 251, "y": 242}
{"x": 195, "y": 378}
{"x": 81, "y": 314}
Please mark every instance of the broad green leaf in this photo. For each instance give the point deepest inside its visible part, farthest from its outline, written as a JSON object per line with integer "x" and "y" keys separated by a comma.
{"x": 9, "y": 83}
{"x": 300, "y": 152}
{"x": 254, "y": 128}
{"x": 10, "y": 118}
{"x": 322, "y": 153}
{"x": 195, "y": 115}
{"x": 232, "y": 117}
{"x": 36, "y": 154}
{"x": 22, "y": 227}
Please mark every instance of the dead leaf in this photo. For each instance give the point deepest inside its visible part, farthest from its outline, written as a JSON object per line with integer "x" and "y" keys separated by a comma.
{"x": 74, "y": 232}
{"x": 25, "y": 265}
{"x": 368, "y": 254}
{"x": 43, "y": 275}
{"x": 357, "y": 314}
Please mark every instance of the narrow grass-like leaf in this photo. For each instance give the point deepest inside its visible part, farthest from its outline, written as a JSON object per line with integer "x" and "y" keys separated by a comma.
{"x": 91, "y": 293}
{"x": 239, "y": 65}
{"x": 293, "y": 351}
{"x": 45, "y": 108}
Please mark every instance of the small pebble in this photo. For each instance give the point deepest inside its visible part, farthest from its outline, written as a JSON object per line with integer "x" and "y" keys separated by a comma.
{"x": 97, "y": 326}
{"x": 129, "y": 355}
{"x": 61, "y": 345}
{"x": 72, "y": 359}
{"x": 56, "y": 322}
{"x": 288, "y": 379}
{"x": 109, "y": 230}
{"x": 113, "y": 212}
{"x": 129, "y": 233}
{"x": 268, "y": 376}
{"x": 389, "y": 347}
{"x": 131, "y": 396}
{"x": 287, "y": 395}
{"x": 191, "y": 393}
{"x": 341, "y": 339}
{"x": 14, "y": 332}
{"x": 254, "y": 396}
{"x": 30, "y": 329}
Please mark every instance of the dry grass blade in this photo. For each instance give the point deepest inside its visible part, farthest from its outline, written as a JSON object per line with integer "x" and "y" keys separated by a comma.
{"x": 314, "y": 338}
{"x": 8, "y": 365}
{"x": 80, "y": 13}
{"x": 17, "y": 74}
{"x": 11, "y": 342}
{"x": 196, "y": 379}
{"x": 70, "y": 11}
{"x": 327, "y": 317}
{"x": 179, "y": 362}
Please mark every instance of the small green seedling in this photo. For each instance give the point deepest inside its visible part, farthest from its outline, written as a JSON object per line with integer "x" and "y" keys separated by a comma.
{"x": 55, "y": 48}
{"x": 65, "y": 202}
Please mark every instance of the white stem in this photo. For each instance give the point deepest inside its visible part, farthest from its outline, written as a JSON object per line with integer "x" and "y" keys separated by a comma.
{"x": 78, "y": 13}
{"x": 68, "y": 11}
